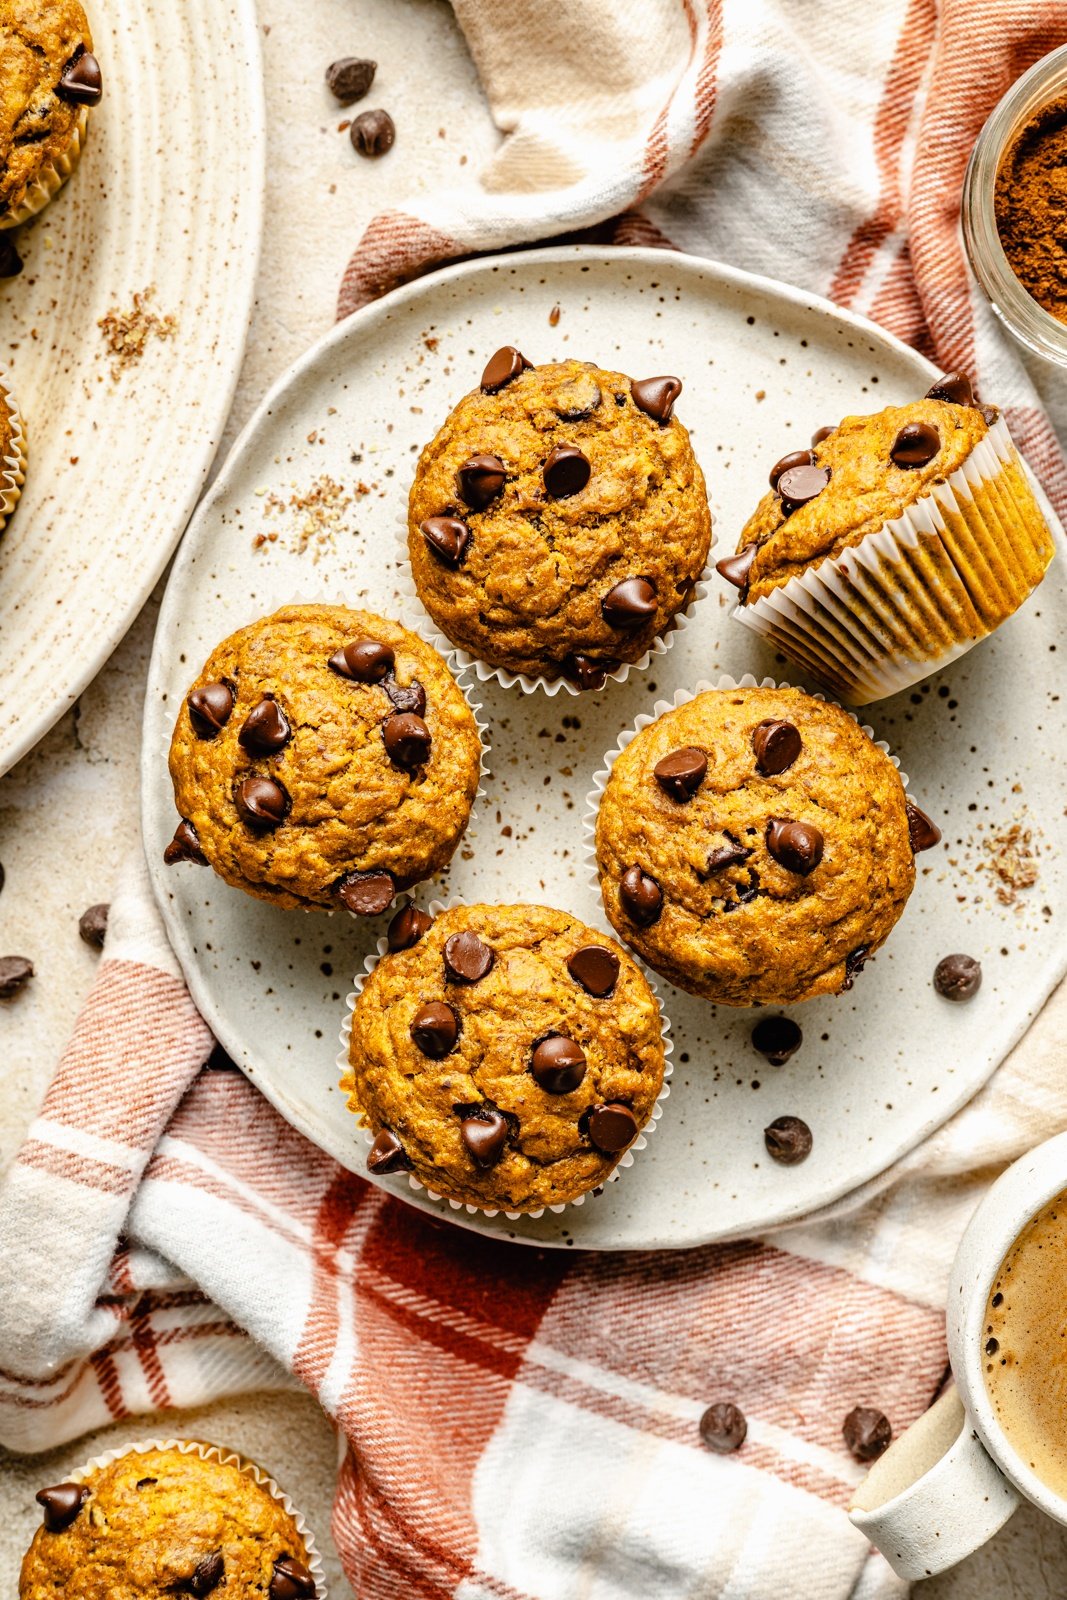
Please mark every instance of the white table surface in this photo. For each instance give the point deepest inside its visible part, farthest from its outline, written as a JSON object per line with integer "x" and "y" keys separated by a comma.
{"x": 68, "y": 811}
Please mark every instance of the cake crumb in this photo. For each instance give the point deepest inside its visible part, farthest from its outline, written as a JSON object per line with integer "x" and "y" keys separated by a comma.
{"x": 1013, "y": 859}
{"x": 126, "y": 333}
{"x": 318, "y": 513}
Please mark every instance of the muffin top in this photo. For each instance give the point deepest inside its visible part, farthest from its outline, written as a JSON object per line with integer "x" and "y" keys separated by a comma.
{"x": 156, "y": 1523}
{"x": 323, "y": 757}
{"x": 506, "y": 1055}
{"x": 753, "y": 846}
{"x": 559, "y": 519}
{"x": 863, "y": 473}
{"x": 44, "y": 84}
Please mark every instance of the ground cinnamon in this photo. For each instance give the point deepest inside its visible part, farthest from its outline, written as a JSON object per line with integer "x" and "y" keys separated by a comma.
{"x": 1030, "y": 203}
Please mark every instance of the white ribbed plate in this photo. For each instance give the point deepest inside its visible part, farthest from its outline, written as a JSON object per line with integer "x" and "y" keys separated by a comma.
{"x": 168, "y": 193}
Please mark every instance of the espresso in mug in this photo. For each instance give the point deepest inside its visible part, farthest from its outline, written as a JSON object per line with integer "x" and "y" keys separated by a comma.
{"x": 1025, "y": 1345}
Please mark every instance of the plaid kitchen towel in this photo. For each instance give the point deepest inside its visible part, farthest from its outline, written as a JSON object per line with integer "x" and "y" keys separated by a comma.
{"x": 522, "y": 1425}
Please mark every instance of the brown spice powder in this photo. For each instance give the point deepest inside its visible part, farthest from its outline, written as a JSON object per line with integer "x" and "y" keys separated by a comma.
{"x": 1030, "y": 205}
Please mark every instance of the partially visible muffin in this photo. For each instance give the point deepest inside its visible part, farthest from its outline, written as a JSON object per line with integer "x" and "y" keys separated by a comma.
{"x": 323, "y": 757}
{"x": 49, "y": 78}
{"x": 506, "y": 1055}
{"x": 559, "y": 521}
{"x": 12, "y": 452}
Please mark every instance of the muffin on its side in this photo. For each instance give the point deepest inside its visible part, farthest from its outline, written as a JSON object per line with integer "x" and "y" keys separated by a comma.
{"x": 558, "y": 522}
{"x": 323, "y": 757}
{"x": 49, "y": 78}
{"x": 507, "y": 1056}
{"x": 755, "y": 846}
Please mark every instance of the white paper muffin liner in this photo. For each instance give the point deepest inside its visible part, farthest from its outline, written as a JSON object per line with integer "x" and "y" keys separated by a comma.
{"x": 51, "y": 178}
{"x": 909, "y": 599}
{"x": 551, "y": 686}
{"x": 231, "y": 1458}
{"x": 13, "y": 465}
{"x": 344, "y": 1067}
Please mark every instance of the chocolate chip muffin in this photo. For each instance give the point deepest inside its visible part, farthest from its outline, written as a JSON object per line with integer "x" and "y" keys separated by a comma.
{"x": 756, "y": 847}
{"x": 161, "y": 1522}
{"x": 49, "y": 78}
{"x": 507, "y": 1056}
{"x": 323, "y": 757}
{"x": 893, "y": 544}
{"x": 559, "y": 522}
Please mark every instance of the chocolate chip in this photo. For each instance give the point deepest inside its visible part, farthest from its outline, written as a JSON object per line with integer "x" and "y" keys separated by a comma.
{"x": 367, "y": 894}
{"x": 629, "y": 605}
{"x": 265, "y": 729}
{"x": 958, "y": 977}
{"x": 407, "y": 928}
{"x": 373, "y": 134}
{"x": 855, "y": 962}
{"x": 955, "y": 387}
{"x": 407, "y": 739}
{"x": 867, "y": 1433}
{"x": 502, "y": 367}
{"x": 681, "y": 773}
{"x": 92, "y": 925}
{"x": 406, "y": 697}
{"x": 612, "y": 1127}
{"x": 915, "y": 445}
{"x": 364, "y": 660}
{"x": 210, "y": 708}
{"x": 481, "y": 479}
{"x": 577, "y": 398}
{"x": 82, "y": 82}
{"x": 387, "y": 1154}
{"x": 15, "y": 973}
{"x": 797, "y": 846}
{"x": 349, "y": 79}
{"x": 263, "y": 803}
{"x": 795, "y": 458}
{"x": 990, "y": 414}
{"x": 207, "y": 1574}
{"x": 61, "y": 1504}
{"x": 777, "y": 1038}
{"x": 566, "y": 471}
{"x": 992, "y": 1346}
{"x": 726, "y": 855}
{"x": 656, "y": 397}
{"x": 291, "y": 1580}
{"x": 822, "y": 433}
{"x": 641, "y": 896}
{"x": 185, "y": 846}
{"x": 788, "y": 1141}
{"x": 485, "y": 1134}
{"x": 447, "y": 538}
{"x": 923, "y": 833}
{"x": 723, "y": 1428}
{"x": 736, "y": 568}
{"x": 776, "y": 745}
{"x": 435, "y": 1029}
{"x": 467, "y": 958}
{"x": 800, "y": 485}
{"x": 10, "y": 260}
{"x": 587, "y": 673}
{"x": 596, "y": 968}
{"x": 558, "y": 1064}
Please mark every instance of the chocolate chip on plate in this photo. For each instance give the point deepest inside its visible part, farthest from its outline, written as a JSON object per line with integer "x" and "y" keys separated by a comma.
{"x": 788, "y": 1141}
{"x": 776, "y": 745}
{"x": 207, "y": 1574}
{"x": 373, "y": 133}
{"x": 185, "y": 846}
{"x": 387, "y": 1154}
{"x": 799, "y": 485}
{"x": 481, "y": 479}
{"x": 407, "y": 928}
{"x": 435, "y": 1029}
{"x": 485, "y": 1133}
{"x": 10, "y": 260}
{"x": 291, "y": 1580}
{"x": 350, "y": 78}
{"x": 468, "y": 959}
{"x": 367, "y": 894}
{"x": 923, "y": 833}
{"x": 364, "y": 660}
{"x": 81, "y": 82}
{"x": 958, "y": 977}
{"x": 681, "y": 773}
{"x": 566, "y": 471}
{"x": 502, "y": 367}
{"x": 736, "y": 568}
{"x": 723, "y": 1428}
{"x": 867, "y": 1433}
{"x": 407, "y": 739}
{"x": 777, "y": 1038}
{"x": 265, "y": 730}
{"x": 15, "y": 973}
{"x": 92, "y": 925}
{"x": 795, "y": 458}
{"x": 210, "y": 708}
{"x": 596, "y": 968}
{"x": 656, "y": 397}
{"x": 641, "y": 896}
{"x": 612, "y": 1127}
{"x": 797, "y": 846}
{"x": 447, "y": 538}
{"x": 955, "y": 387}
{"x": 262, "y": 803}
{"x": 61, "y": 1504}
{"x": 558, "y": 1064}
{"x": 629, "y": 605}
{"x": 915, "y": 445}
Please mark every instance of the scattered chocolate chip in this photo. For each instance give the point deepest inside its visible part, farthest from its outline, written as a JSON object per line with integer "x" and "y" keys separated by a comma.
{"x": 915, "y": 445}
{"x": 265, "y": 730}
{"x": 566, "y": 471}
{"x": 387, "y": 1154}
{"x": 577, "y": 398}
{"x": 776, "y": 745}
{"x": 777, "y": 1038}
{"x": 736, "y": 568}
{"x": 797, "y": 846}
{"x": 468, "y": 959}
{"x": 349, "y": 79}
{"x": 923, "y": 833}
{"x": 291, "y": 1580}
{"x": 558, "y": 1064}
{"x": 210, "y": 708}
{"x": 629, "y": 605}
{"x": 10, "y": 260}
{"x": 92, "y": 925}
{"x": 407, "y": 928}
{"x": 855, "y": 962}
{"x": 61, "y": 1504}
{"x": 681, "y": 773}
{"x": 612, "y": 1127}
{"x": 788, "y": 1141}
{"x": 641, "y": 896}
{"x": 656, "y": 397}
{"x": 481, "y": 479}
{"x": 723, "y": 1428}
{"x": 262, "y": 803}
{"x": 795, "y": 458}
{"x": 365, "y": 660}
{"x": 435, "y": 1029}
{"x": 485, "y": 1134}
{"x": 502, "y": 367}
{"x": 373, "y": 133}
{"x": 407, "y": 739}
{"x": 867, "y": 1433}
{"x": 406, "y": 697}
{"x": 596, "y": 968}
{"x": 958, "y": 977}
{"x": 15, "y": 973}
{"x": 955, "y": 387}
{"x": 82, "y": 82}
{"x": 822, "y": 433}
{"x": 185, "y": 846}
{"x": 207, "y": 1574}
{"x": 447, "y": 538}
{"x": 800, "y": 485}
{"x": 587, "y": 673}
{"x": 367, "y": 894}
{"x": 726, "y": 855}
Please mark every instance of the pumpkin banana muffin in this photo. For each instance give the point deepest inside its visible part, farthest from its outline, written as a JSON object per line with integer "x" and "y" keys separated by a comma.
{"x": 507, "y": 1056}
{"x": 159, "y": 1522}
{"x": 323, "y": 757}
{"x": 49, "y": 78}
{"x": 558, "y": 522}
{"x": 756, "y": 847}
{"x": 893, "y": 544}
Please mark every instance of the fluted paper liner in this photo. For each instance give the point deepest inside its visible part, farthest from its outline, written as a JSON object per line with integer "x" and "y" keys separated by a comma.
{"x": 51, "y": 178}
{"x": 13, "y": 465}
{"x": 909, "y": 599}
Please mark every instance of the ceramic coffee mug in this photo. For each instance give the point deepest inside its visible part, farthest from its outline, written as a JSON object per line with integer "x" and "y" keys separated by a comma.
{"x": 954, "y": 1479}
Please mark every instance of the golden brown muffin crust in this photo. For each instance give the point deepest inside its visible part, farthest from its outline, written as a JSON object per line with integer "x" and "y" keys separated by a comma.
{"x": 37, "y": 40}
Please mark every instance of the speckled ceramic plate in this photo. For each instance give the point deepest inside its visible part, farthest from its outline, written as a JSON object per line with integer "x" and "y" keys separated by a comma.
{"x": 163, "y": 211}
{"x": 763, "y": 366}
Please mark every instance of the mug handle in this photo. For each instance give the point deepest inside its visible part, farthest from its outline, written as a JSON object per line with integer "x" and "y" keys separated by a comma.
{"x": 935, "y": 1496}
